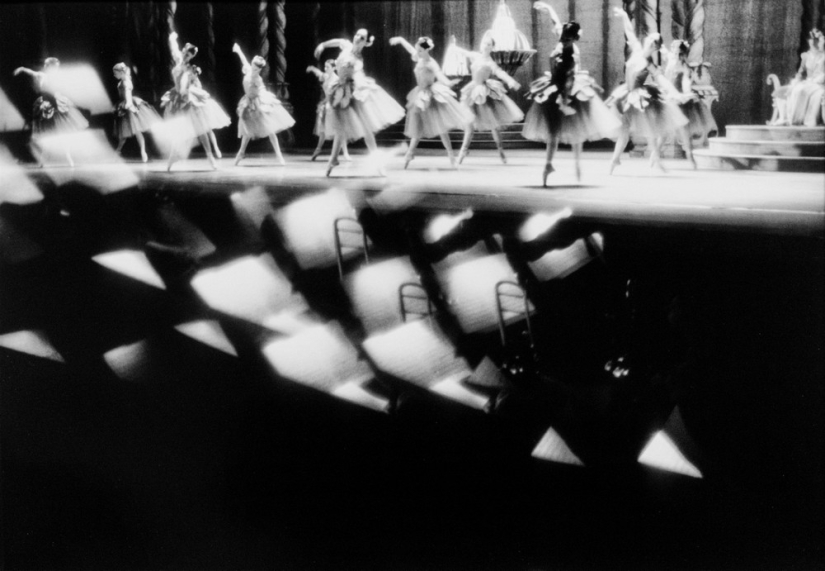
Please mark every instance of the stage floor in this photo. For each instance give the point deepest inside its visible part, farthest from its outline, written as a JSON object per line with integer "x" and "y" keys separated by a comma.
{"x": 751, "y": 201}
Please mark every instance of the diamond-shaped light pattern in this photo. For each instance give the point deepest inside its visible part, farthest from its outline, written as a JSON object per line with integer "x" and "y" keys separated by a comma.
{"x": 10, "y": 117}
{"x": 15, "y": 186}
{"x": 470, "y": 290}
{"x": 132, "y": 263}
{"x": 553, "y": 448}
{"x": 209, "y": 333}
{"x": 131, "y": 362}
{"x": 307, "y": 226}
{"x": 662, "y": 453}
{"x": 374, "y": 292}
{"x": 30, "y": 342}
{"x": 251, "y": 288}
{"x": 421, "y": 355}
{"x": 323, "y": 358}
{"x": 557, "y": 264}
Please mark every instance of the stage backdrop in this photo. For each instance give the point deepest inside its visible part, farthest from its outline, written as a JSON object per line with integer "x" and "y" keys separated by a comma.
{"x": 743, "y": 40}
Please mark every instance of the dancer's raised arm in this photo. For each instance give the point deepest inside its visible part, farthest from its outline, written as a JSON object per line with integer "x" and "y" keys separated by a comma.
{"x": 399, "y": 41}
{"x": 316, "y": 72}
{"x": 629, "y": 32}
{"x": 174, "y": 48}
{"x": 545, "y": 7}
{"x": 506, "y": 78}
{"x": 27, "y": 71}
{"x": 244, "y": 62}
{"x": 336, "y": 43}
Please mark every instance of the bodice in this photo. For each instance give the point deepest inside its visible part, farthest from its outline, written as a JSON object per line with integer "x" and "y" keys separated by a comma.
{"x": 482, "y": 69}
{"x": 425, "y": 72}
{"x": 253, "y": 84}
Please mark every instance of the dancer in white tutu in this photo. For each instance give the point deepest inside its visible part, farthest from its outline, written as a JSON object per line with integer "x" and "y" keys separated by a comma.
{"x": 261, "y": 114}
{"x": 806, "y": 97}
{"x": 186, "y": 100}
{"x": 646, "y": 101}
{"x": 566, "y": 104}
{"x": 678, "y": 73}
{"x": 217, "y": 117}
{"x": 52, "y": 112}
{"x": 358, "y": 106}
{"x": 486, "y": 97}
{"x": 432, "y": 108}
{"x": 133, "y": 116}
{"x": 326, "y": 78}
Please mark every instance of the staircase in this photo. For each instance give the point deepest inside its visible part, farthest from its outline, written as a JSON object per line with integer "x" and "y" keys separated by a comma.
{"x": 767, "y": 148}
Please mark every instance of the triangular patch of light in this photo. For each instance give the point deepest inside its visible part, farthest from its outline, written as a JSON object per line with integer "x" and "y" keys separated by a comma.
{"x": 552, "y": 447}
{"x": 661, "y": 452}
{"x": 31, "y": 342}
{"x": 208, "y": 333}
{"x": 132, "y": 263}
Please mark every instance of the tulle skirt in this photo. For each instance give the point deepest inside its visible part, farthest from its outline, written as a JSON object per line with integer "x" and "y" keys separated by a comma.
{"x": 355, "y": 108}
{"x": 587, "y": 117}
{"x": 262, "y": 116}
{"x": 806, "y": 104}
{"x": 138, "y": 120}
{"x": 646, "y": 113}
{"x": 433, "y": 111}
{"x": 490, "y": 105}
{"x": 380, "y": 110}
{"x": 700, "y": 119}
{"x": 56, "y": 114}
{"x": 202, "y": 112}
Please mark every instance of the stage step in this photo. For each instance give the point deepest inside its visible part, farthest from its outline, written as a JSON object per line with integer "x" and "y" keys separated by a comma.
{"x": 767, "y": 148}
{"x": 710, "y": 160}
{"x": 510, "y": 136}
{"x": 783, "y": 148}
{"x": 774, "y": 133}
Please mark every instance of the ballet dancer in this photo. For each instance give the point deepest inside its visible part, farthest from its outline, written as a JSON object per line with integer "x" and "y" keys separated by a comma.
{"x": 679, "y": 74}
{"x": 432, "y": 107}
{"x": 133, "y": 116}
{"x": 186, "y": 100}
{"x": 325, "y": 78}
{"x": 260, "y": 113}
{"x": 485, "y": 96}
{"x": 358, "y": 106}
{"x": 216, "y": 115}
{"x": 647, "y": 108}
{"x": 566, "y": 105}
{"x": 53, "y": 112}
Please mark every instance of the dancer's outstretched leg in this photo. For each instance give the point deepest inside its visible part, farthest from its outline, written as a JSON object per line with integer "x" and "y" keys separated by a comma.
{"x": 273, "y": 138}
{"x": 621, "y": 143}
{"x": 577, "y": 153}
{"x": 655, "y": 143}
{"x": 465, "y": 145}
{"x": 317, "y": 151}
{"x": 688, "y": 146}
{"x": 333, "y": 157}
{"x": 497, "y": 138}
{"x": 204, "y": 140}
{"x": 242, "y": 150}
{"x": 411, "y": 151}
{"x": 445, "y": 140}
{"x": 214, "y": 141}
{"x": 173, "y": 154}
{"x": 552, "y": 145}
{"x": 142, "y": 144}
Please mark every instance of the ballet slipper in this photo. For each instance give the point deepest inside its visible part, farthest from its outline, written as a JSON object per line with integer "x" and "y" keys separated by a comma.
{"x": 218, "y": 153}
{"x": 461, "y": 155}
{"x": 548, "y": 169}
{"x": 347, "y": 158}
{"x": 331, "y": 165}
{"x": 238, "y": 158}
{"x": 407, "y": 158}
{"x": 315, "y": 154}
{"x": 503, "y": 158}
{"x": 144, "y": 157}
{"x": 613, "y": 165}
{"x": 281, "y": 160}
{"x": 578, "y": 173}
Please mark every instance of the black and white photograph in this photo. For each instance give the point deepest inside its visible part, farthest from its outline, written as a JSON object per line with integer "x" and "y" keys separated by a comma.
{"x": 423, "y": 285}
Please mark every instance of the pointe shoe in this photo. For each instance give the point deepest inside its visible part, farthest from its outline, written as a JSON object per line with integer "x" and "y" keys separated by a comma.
{"x": 218, "y": 153}
{"x": 315, "y": 155}
{"x": 331, "y": 165}
{"x": 613, "y": 165}
{"x": 503, "y": 158}
{"x": 281, "y": 160}
{"x": 578, "y": 173}
{"x": 461, "y": 155}
{"x": 347, "y": 159}
{"x": 238, "y": 159}
{"x": 693, "y": 163}
{"x": 548, "y": 168}
{"x": 407, "y": 158}
{"x": 144, "y": 157}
